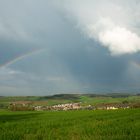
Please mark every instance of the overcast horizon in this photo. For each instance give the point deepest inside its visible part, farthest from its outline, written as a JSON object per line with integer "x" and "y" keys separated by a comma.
{"x": 61, "y": 46}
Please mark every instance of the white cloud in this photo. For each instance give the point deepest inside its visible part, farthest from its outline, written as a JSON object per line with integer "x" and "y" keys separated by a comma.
{"x": 119, "y": 41}
{"x": 115, "y": 24}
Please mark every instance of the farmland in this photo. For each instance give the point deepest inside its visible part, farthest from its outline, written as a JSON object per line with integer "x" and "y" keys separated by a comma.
{"x": 81, "y": 124}
{"x": 85, "y": 99}
{"x": 70, "y": 125}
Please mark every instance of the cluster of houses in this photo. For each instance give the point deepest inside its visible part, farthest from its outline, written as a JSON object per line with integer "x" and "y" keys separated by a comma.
{"x": 68, "y": 106}
{"x": 27, "y": 105}
{"x": 112, "y": 106}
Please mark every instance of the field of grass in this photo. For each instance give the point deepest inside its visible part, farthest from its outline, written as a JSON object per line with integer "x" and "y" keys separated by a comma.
{"x": 71, "y": 125}
{"x": 100, "y": 100}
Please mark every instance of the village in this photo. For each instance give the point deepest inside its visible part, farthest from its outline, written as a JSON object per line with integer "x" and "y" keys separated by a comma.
{"x": 27, "y": 105}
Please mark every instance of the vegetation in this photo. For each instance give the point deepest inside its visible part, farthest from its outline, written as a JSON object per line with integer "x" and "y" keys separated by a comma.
{"x": 71, "y": 125}
{"x": 20, "y": 124}
{"x": 85, "y": 99}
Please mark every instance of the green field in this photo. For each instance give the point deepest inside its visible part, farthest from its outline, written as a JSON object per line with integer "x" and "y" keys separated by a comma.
{"x": 71, "y": 125}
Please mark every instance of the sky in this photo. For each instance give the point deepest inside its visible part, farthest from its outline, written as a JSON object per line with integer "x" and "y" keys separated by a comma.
{"x": 61, "y": 46}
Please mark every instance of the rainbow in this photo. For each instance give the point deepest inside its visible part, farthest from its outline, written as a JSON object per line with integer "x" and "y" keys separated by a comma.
{"x": 36, "y": 51}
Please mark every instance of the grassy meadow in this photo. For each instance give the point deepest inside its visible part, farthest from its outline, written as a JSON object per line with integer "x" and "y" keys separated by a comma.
{"x": 70, "y": 125}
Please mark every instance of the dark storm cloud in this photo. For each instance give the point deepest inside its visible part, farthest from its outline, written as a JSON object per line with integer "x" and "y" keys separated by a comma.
{"x": 68, "y": 62}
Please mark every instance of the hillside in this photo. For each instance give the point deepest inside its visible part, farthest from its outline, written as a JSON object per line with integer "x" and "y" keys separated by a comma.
{"x": 84, "y": 99}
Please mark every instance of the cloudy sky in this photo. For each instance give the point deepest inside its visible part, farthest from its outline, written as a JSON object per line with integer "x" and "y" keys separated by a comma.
{"x": 69, "y": 46}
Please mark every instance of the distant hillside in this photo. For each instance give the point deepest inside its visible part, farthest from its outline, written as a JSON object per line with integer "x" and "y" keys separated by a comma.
{"x": 77, "y": 96}
{"x": 84, "y": 99}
